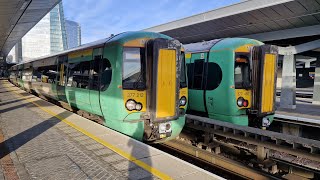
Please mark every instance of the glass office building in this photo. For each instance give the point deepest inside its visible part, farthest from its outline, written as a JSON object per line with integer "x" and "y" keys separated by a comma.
{"x": 73, "y": 31}
{"x": 46, "y": 37}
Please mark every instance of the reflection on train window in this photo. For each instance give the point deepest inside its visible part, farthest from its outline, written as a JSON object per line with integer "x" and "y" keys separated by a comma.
{"x": 19, "y": 74}
{"x": 106, "y": 74}
{"x": 241, "y": 72}
{"x": 46, "y": 74}
{"x": 214, "y": 76}
{"x": 61, "y": 79}
{"x": 27, "y": 75}
{"x": 198, "y": 74}
{"x": 36, "y": 74}
{"x": 50, "y": 73}
{"x": 74, "y": 75}
{"x": 85, "y": 69}
{"x": 133, "y": 77}
{"x": 78, "y": 75}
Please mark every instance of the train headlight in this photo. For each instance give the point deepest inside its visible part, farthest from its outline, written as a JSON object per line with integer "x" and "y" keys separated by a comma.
{"x": 131, "y": 105}
{"x": 183, "y": 101}
{"x": 138, "y": 106}
{"x": 165, "y": 127}
{"x": 240, "y": 101}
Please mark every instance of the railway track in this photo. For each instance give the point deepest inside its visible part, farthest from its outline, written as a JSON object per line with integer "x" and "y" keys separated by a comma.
{"x": 214, "y": 162}
{"x": 219, "y": 144}
{"x": 264, "y": 154}
{"x": 306, "y": 128}
{"x": 272, "y": 152}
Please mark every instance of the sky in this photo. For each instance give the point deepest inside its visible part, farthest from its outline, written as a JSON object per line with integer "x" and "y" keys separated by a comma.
{"x": 101, "y": 18}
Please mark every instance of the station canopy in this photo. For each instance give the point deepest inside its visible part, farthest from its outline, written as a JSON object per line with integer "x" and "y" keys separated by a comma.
{"x": 265, "y": 20}
{"x": 17, "y": 17}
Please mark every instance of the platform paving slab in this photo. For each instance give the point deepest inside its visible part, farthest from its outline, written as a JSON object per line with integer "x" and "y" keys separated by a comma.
{"x": 47, "y": 152}
{"x": 84, "y": 158}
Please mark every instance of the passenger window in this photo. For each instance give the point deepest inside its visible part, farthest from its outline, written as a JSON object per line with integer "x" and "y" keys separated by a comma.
{"x": 36, "y": 74}
{"x": 95, "y": 66}
{"x": 190, "y": 74}
{"x": 74, "y": 75}
{"x": 198, "y": 74}
{"x": 85, "y": 69}
{"x": 183, "y": 78}
{"x": 49, "y": 74}
{"x": 62, "y": 71}
{"x": 19, "y": 74}
{"x": 214, "y": 76}
{"x": 106, "y": 75}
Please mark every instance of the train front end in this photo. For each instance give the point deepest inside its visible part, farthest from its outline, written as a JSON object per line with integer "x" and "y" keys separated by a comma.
{"x": 255, "y": 76}
{"x": 154, "y": 88}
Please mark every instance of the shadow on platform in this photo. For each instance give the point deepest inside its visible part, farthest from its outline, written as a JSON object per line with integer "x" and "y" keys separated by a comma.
{"x": 135, "y": 152}
{"x": 13, "y": 101}
{"x": 29, "y": 104}
{"x": 15, "y": 142}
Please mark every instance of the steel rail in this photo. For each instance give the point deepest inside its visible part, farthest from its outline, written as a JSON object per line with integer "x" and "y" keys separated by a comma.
{"x": 264, "y": 140}
{"x": 219, "y": 161}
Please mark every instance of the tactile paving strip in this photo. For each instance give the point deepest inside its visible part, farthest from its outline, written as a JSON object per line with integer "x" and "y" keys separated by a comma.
{"x": 8, "y": 168}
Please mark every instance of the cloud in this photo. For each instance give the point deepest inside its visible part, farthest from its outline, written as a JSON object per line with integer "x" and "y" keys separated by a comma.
{"x": 100, "y": 18}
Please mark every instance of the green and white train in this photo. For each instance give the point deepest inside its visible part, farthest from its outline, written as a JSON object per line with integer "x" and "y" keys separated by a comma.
{"x": 232, "y": 80}
{"x": 135, "y": 82}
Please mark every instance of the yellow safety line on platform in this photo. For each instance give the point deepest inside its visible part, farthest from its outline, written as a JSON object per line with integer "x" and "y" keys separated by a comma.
{"x": 124, "y": 154}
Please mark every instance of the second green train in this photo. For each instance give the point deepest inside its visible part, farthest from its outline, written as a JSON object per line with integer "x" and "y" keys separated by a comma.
{"x": 232, "y": 80}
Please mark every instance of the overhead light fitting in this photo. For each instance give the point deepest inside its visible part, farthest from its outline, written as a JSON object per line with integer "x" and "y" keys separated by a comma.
{"x": 24, "y": 5}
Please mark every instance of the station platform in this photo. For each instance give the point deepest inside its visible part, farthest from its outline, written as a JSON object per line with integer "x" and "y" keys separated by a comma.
{"x": 300, "y": 92}
{"x": 305, "y": 111}
{"x": 39, "y": 140}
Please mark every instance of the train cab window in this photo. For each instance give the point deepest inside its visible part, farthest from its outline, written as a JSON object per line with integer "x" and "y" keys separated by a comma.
{"x": 183, "y": 78}
{"x": 242, "y": 72}
{"x": 198, "y": 74}
{"x": 106, "y": 74}
{"x": 214, "y": 76}
{"x": 74, "y": 75}
{"x": 132, "y": 75}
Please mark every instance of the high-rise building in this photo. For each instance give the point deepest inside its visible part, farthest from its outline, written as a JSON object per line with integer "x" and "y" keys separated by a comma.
{"x": 46, "y": 37}
{"x": 73, "y": 31}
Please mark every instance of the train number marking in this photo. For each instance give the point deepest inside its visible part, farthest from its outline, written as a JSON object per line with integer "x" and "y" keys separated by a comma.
{"x": 135, "y": 95}
{"x": 243, "y": 93}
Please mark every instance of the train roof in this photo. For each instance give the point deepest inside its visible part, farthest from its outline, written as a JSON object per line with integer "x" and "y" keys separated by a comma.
{"x": 206, "y": 46}
{"x": 200, "y": 46}
{"x": 98, "y": 43}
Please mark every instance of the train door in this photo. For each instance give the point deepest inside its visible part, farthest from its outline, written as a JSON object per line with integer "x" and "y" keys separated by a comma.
{"x": 196, "y": 73}
{"x": 264, "y": 76}
{"x": 95, "y": 81}
{"x": 61, "y": 78}
{"x": 162, "y": 64}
